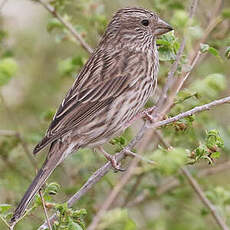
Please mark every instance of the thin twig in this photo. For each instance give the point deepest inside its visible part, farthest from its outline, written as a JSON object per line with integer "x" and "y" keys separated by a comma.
{"x": 133, "y": 189}
{"x": 204, "y": 199}
{"x": 17, "y": 133}
{"x": 67, "y": 25}
{"x": 23, "y": 144}
{"x": 172, "y": 183}
{"x": 45, "y": 210}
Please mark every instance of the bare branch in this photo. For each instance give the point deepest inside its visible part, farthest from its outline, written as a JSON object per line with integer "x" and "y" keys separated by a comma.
{"x": 16, "y": 133}
{"x": 172, "y": 183}
{"x": 44, "y": 208}
{"x": 67, "y": 25}
{"x": 204, "y": 199}
{"x": 22, "y": 142}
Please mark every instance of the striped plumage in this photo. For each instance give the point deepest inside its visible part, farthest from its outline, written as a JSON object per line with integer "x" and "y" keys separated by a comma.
{"x": 110, "y": 90}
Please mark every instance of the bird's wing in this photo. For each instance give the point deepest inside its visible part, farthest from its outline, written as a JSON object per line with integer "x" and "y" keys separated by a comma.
{"x": 102, "y": 79}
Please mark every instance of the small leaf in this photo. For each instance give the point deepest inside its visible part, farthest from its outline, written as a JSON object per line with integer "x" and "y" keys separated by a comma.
{"x": 213, "y": 51}
{"x": 8, "y": 68}
{"x": 53, "y": 23}
{"x": 215, "y": 155}
{"x": 180, "y": 18}
{"x": 204, "y": 47}
{"x": 4, "y": 208}
{"x": 226, "y": 13}
{"x": 227, "y": 53}
{"x": 52, "y": 188}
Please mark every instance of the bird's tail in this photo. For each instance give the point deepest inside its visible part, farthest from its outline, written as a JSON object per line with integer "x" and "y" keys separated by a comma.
{"x": 55, "y": 157}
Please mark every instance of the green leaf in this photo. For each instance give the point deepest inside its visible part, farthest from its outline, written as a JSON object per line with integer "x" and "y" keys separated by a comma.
{"x": 226, "y": 13}
{"x": 52, "y": 188}
{"x": 167, "y": 47}
{"x": 54, "y": 23}
{"x": 8, "y": 68}
{"x": 215, "y": 155}
{"x": 214, "y": 139}
{"x": 166, "y": 54}
{"x": 74, "y": 226}
{"x": 68, "y": 66}
{"x": 213, "y": 51}
{"x": 210, "y": 87}
{"x": 227, "y": 53}
{"x": 184, "y": 95}
{"x": 204, "y": 47}
{"x": 180, "y": 19}
{"x": 4, "y": 208}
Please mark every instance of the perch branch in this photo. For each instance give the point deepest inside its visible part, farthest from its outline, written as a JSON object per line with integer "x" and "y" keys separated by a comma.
{"x": 121, "y": 155}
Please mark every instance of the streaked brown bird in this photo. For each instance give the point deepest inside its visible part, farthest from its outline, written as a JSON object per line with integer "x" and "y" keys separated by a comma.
{"x": 110, "y": 90}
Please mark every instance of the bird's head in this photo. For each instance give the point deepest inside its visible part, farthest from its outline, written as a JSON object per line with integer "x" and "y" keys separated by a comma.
{"x": 136, "y": 25}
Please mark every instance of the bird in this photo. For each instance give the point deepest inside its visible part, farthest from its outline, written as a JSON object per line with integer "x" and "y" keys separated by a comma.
{"x": 109, "y": 91}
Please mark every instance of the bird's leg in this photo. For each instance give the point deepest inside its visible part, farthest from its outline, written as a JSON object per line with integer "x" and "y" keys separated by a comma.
{"x": 147, "y": 114}
{"x": 143, "y": 114}
{"x": 111, "y": 158}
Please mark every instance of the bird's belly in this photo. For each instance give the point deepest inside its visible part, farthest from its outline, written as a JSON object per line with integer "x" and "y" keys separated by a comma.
{"x": 114, "y": 118}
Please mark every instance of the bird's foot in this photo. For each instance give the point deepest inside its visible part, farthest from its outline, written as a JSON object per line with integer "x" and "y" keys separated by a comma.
{"x": 147, "y": 114}
{"x": 116, "y": 165}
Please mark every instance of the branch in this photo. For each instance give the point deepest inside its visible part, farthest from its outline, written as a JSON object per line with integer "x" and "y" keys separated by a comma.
{"x": 67, "y": 25}
{"x": 196, "y": 187}
{"x": 23, "y": 144}
{"x": 204, "y": 199}
{"x": 121, "y": 155}
{"x": 172, "y": 183}
{"x": 44, "y": 208}
{"x": 197, "y": 109}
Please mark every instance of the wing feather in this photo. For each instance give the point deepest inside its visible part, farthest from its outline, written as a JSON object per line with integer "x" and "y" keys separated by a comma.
{"x": 91, "y": 92}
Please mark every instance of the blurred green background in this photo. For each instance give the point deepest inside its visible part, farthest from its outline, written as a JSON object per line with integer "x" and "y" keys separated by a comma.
{"x": 39, "y": 60}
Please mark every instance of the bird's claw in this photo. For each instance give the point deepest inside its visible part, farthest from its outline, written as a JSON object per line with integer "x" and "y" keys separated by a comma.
{"x": 115, "y": 164}
{"x": 148, "y": 117}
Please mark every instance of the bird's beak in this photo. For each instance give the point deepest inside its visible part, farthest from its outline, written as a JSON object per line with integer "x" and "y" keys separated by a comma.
{"x": 162, "y": 27}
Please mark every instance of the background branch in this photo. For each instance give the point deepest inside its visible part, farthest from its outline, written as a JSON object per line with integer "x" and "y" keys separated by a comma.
{"x": 67, "y": 25}
{"x": 204, "y": 199}
{"x": 171, "y": 183}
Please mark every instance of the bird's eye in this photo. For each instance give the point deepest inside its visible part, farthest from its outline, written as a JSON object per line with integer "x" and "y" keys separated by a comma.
{"x": 145, "y": 22}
